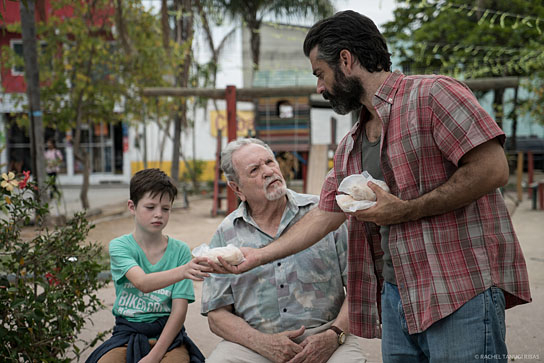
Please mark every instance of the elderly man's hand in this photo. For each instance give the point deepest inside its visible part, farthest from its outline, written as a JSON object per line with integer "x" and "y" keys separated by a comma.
{"x": 318, "y": 348}
{"x": 280, "y": 347}
{"x": 252, "y": 259}
{"x": 388, "y": 209}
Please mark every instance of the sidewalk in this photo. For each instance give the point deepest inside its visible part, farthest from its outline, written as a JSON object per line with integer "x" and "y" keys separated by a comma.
{"x": 104, "y": 199}
{"x": 195, "y": 226}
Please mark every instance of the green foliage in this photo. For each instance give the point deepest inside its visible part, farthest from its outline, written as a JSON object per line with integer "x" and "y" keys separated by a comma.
{"x": 48, "y": 282}
{"x": 194, "y": 171}
{"x": 86, "y": 75}
{"x": 256, "y": 10}
{"x": 483, "y": 38}
{"x": 534, "y": 105}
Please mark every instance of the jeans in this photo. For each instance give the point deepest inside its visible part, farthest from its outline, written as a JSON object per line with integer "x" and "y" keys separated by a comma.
{"x": 473, "y": 333}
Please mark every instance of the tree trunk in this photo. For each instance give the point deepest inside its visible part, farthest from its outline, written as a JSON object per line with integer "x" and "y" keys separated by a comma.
{"x": 82, "y": 156}
{"x": 184, "y": 32}
{"x": 122, "y": 28}
{"x": 79, "y": 153}
{"x": 165, "y": 27}
{"x": 83, "y": 194}
{"x": 174, "y": 171}
{"x": 514, "y": 116}
{"x": 32, "y": 78}
{"x": 498, "y": 105}
{"x": 255, "y": 39}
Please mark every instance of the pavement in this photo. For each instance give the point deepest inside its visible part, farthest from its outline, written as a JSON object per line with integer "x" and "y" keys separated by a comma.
{"x": 194, "y": 225}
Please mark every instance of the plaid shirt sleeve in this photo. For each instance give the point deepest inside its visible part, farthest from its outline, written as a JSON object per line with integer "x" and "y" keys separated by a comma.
{"x": 459, "y": 122}
{"x": 327, "y": 200}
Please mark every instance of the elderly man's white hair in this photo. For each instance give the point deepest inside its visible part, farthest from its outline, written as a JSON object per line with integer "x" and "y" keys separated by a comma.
{"x": 226, "y": 156}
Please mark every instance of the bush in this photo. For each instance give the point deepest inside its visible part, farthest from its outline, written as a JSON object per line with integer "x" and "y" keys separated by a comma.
{"x": 193, "y": 174}
{"x": 48, "y": 282}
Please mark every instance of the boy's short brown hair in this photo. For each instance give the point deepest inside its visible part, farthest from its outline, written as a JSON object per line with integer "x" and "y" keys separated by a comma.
{"x": 154, "y": 181}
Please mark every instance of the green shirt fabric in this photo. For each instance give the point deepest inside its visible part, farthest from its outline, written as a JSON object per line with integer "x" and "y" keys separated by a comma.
{"x": 131, "y": 303}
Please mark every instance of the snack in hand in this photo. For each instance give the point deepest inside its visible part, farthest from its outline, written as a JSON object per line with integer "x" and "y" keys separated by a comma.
{"x": 229, "y": 253}
{"x": 358, "y": 194}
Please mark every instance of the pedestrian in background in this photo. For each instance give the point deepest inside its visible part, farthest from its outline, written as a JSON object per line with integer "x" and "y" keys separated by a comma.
{"x": 53, "y": 161}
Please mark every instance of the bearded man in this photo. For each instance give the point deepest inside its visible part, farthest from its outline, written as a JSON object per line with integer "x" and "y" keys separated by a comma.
{"x": 435, "y": 263}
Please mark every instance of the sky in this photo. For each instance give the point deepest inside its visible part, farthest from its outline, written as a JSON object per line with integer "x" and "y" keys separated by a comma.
{"x": 380, "y": 11}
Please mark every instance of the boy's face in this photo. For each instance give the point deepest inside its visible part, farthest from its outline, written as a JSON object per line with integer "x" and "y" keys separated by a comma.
{"x": 151, "y": 214}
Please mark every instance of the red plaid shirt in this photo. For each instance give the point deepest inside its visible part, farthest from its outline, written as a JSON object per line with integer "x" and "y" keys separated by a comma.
{"x": 440, "y": 262}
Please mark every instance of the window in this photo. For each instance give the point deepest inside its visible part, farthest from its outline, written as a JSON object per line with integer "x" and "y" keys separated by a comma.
{"x": 103, "y": 144}
{"x": 17, "y": 46}
{"x": 285, "y": 109}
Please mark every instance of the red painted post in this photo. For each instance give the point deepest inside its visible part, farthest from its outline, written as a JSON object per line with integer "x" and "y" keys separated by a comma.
{"x": 216, "y": 197}
{"x": 230, "y": 95}
{"x": 541, "y": 194}
{"x": 530, "y": 172}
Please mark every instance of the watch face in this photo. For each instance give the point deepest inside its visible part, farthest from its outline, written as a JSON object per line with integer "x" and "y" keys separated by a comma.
{"x": 341, "y": 338}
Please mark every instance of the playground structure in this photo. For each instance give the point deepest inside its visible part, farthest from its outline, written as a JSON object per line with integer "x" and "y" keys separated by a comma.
{"x": 284, "y": 132}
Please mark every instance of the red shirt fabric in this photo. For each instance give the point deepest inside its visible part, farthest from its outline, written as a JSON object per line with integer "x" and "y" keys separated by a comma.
{"x": 440, "y": 262}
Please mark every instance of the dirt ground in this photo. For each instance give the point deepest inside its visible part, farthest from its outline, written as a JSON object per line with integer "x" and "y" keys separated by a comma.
{"x": 193, "y": 226}
{"x": 196, "y": 226}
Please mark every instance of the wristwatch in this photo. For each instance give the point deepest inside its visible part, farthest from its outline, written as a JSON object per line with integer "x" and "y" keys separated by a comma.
{"x": 341, "y": 335}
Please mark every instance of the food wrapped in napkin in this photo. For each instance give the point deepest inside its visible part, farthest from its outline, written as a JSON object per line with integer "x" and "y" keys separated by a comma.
{"x": 358, "y": 195}
{"x": 230, "y": 253}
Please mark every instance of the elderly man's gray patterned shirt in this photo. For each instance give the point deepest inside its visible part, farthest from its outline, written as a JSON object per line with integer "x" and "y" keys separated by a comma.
{"x": 304, "y": 289}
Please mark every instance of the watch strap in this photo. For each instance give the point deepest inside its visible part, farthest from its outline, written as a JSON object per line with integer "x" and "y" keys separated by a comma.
{"x": 341, "y": 336}
{"x": 336, "y": 329}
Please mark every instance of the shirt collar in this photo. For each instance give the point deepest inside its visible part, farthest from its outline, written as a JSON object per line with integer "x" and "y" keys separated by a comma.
{"x": 386, "y": 92}
{"x": 294, "y": 202}
{"x": 389, "y": 88}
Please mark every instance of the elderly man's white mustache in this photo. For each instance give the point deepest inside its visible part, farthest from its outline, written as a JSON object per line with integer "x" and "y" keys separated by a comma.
{"x": 269, "y": 180}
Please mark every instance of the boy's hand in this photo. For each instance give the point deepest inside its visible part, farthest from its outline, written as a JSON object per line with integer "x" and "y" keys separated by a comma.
{"x": 197, "y": 269}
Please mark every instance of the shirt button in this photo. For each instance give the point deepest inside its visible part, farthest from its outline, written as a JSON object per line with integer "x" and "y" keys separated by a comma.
{"x": 390, "y": 100}
{"x": 281, "y": 286}
{"x": 279, "y": 263}
{"x": 284, "y": 310}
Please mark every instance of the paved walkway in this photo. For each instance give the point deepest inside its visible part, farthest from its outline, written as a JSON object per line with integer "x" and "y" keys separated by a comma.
{"x": 525, "y": 323}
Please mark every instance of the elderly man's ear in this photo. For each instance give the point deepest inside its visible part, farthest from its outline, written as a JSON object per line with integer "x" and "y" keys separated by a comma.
{"x": 236, "y": 189}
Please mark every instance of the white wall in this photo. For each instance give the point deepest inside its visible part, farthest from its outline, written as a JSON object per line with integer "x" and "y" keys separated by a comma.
{"x": 321, "y": 125}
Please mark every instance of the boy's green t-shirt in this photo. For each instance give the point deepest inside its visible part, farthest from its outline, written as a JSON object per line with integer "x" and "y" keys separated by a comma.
{"x": 131, "y": 303}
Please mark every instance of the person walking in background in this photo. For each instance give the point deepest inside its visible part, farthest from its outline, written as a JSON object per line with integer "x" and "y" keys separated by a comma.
{"x": 442, "y": 240}
{"x": 53, "y": 161}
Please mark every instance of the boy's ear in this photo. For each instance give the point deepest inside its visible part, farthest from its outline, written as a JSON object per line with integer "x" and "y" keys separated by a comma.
{"x": 131, "y": 207}
{"x": 236, "y": 189}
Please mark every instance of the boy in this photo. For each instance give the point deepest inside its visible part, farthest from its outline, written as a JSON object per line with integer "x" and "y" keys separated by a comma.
{"x": 151, "y": 273}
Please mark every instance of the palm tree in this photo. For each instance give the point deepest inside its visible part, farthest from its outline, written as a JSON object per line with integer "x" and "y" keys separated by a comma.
{"x": 252, "y": 13}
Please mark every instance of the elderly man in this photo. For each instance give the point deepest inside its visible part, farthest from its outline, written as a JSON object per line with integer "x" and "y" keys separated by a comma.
{"x": 293, "y": 309}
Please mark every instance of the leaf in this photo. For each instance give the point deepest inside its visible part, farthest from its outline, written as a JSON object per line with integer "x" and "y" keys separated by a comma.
{"x": 503, "y": 16}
